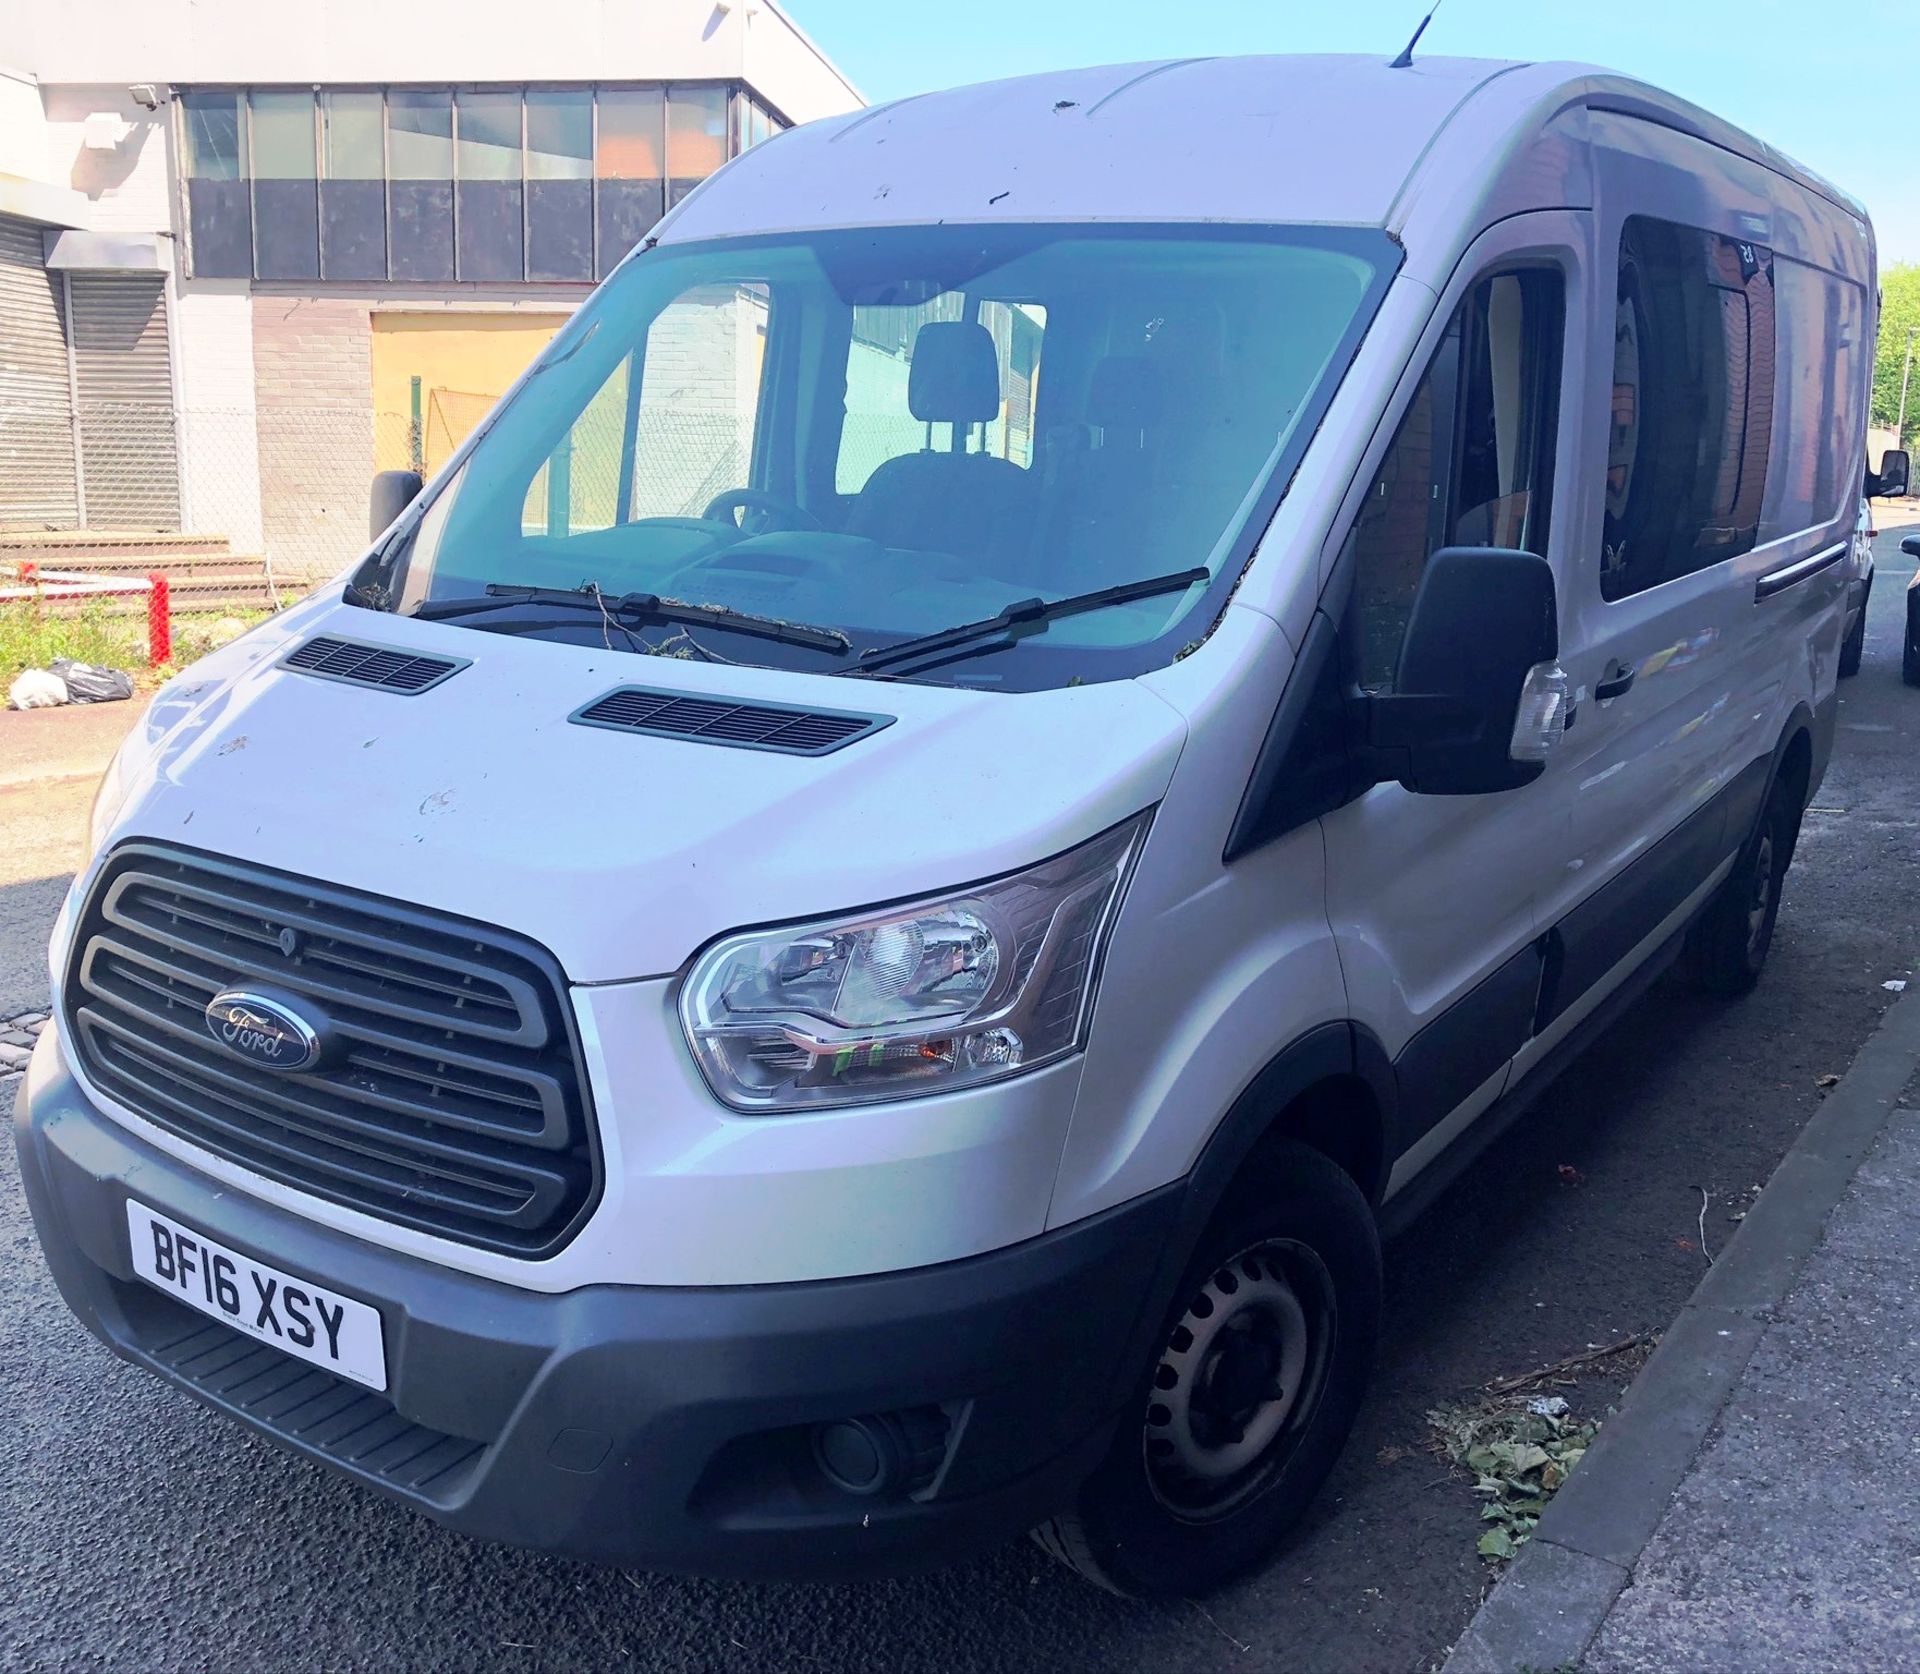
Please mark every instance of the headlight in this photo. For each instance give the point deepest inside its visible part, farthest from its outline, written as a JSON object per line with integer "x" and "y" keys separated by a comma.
{"x": 108, "y": 800}
{"x": 982, "y": 984}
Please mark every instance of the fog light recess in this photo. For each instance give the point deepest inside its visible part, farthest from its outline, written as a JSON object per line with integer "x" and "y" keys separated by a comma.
{"x": 892, "y": 1453}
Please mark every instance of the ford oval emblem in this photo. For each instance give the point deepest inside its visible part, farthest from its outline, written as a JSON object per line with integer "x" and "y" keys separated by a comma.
{"x": 264, "y": 1031}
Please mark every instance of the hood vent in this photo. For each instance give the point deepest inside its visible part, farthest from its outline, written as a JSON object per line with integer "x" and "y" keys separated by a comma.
{"x": 708, "y": 720}
{"x": 360, "y": 664}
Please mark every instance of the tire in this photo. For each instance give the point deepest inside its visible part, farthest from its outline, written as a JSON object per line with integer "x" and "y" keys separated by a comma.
{"x": 1727, "y": 948}
{"x": 1210, "y": 1468}
{"x": 1854, "y": 646}
{"x": 1910, "y": 651}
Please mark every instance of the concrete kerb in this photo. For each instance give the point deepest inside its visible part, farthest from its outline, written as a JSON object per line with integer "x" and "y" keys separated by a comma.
{"x": 1545, "y": 1611}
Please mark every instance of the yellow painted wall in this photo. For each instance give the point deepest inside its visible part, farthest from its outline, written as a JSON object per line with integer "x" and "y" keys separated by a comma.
{"x": 464, "y": 363}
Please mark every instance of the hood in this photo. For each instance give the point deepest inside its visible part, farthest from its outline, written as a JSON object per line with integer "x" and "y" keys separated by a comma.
{"x": 620, "y": 852}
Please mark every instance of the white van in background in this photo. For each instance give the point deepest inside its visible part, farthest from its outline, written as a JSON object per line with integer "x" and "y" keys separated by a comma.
{"x": 1055, "y": 702}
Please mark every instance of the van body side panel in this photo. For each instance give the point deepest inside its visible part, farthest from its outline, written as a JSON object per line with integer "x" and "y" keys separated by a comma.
{"x": 1213, "y": 969}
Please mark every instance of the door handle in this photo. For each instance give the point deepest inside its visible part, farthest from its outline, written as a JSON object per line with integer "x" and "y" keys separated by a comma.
{"x": 1618, "y": 681}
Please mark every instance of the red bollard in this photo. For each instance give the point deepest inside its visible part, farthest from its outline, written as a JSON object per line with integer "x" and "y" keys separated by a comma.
{"x": 159, "y": 621}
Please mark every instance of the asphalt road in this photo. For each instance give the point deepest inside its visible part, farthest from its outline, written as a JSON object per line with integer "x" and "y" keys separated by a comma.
{"x": 137, "y": 1530}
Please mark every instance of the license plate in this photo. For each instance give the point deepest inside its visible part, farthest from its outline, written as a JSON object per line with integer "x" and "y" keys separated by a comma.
{"x": 297, "y": 1316}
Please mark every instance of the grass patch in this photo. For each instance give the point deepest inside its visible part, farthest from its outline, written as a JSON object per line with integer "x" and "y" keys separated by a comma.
{"x": 31, "y": 637}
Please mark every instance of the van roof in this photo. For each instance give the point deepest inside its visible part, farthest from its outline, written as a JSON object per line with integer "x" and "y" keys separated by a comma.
{"x": 1304, "y": 138}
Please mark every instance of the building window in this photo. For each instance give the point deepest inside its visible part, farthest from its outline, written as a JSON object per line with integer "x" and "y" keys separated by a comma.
{"x": 420, "y": 184}
{"x": 629, "y": 188}
{"x": 753, "y": 122}
{"x": 219, "y": 218}
{"x": 353, "y": 193}
{"x": 560, "y": 184}
{"x": 429, "y": 185}
{"x": 286, "y": 210}
{"x": 487, "y": 197}
{"x": 696, "y": 137}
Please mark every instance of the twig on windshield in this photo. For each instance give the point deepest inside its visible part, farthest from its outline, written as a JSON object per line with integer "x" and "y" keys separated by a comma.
{"x": 608, "y": 622}
{"x": 704, "y": 653}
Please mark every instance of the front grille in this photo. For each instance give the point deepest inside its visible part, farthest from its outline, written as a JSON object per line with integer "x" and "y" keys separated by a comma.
{"x": 449, "y": 1098}
{"x": 751, "y": 726}
{"x": 302, "y": 1405}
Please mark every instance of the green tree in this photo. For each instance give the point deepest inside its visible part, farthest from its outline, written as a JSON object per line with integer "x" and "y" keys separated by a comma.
{"x": 1899, "y": 314}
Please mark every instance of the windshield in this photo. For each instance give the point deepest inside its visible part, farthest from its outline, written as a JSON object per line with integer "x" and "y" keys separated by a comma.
{"x": 888, "y": 432}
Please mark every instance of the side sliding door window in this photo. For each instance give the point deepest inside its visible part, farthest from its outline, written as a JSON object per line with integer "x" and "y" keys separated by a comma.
{"x": 1692, "y": 404}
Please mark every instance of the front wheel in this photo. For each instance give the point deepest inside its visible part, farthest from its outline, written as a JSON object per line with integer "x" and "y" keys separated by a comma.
{"x": 1250, "y": 1394}
{"x": 1910, "y": 652}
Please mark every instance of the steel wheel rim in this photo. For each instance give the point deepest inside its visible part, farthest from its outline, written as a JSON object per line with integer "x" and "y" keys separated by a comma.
{"x": 1239, "y": 1379}
{"x": 1760, "y": 897}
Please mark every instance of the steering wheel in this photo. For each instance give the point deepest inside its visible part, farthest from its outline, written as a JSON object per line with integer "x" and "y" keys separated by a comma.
{"x": 773, "y": 512}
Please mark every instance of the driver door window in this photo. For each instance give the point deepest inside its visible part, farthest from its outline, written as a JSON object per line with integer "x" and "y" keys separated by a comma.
{"x": 1472, "y": 461}
{"x": 691, "y": 416}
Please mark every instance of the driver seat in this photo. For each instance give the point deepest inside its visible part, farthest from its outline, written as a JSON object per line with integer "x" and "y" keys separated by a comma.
{"x": 967, "y": 504}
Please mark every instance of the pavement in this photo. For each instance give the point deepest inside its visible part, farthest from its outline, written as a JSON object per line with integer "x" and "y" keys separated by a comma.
{"x": 1751, "y": 1504}
{"x": 75, "y": 741}
{"x": 137, "y": 1529}
{"x": 50, "y": 761}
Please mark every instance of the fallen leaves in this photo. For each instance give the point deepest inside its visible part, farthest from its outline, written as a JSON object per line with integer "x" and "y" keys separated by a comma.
{"x": 1519, "y": 1451}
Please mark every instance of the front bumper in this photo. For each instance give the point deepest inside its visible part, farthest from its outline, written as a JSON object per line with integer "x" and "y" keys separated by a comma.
{"x": 662, "y": 1428}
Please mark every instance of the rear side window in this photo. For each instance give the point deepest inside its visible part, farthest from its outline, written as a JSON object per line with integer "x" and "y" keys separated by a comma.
{"x": 1692, "y": 404}
{"x": 1816, "y": 445}
{"x": 1472, "y": 461}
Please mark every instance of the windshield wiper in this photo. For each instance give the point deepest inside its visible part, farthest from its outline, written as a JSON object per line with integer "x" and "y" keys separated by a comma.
{"x": 637, "y": 608}
{"x": 1021, "y": 612}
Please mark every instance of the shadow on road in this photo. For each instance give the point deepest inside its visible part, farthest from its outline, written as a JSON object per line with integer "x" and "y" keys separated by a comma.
{"x": 27, "y": 911}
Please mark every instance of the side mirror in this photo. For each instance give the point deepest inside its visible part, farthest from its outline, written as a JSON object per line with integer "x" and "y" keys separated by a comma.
{"x": 1479, "y": 697}
{"x": 1910, "y": 545}
{"x": 392, "y": 493}
{"x": 1893, "y": 477}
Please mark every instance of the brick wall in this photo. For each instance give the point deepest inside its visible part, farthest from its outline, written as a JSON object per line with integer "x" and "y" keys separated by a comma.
{"x": 313, "y": 378}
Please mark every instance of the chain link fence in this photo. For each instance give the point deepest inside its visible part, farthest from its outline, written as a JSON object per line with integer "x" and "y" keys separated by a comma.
{"x": 282, "y": 490}
{"x": 283, "y": 487}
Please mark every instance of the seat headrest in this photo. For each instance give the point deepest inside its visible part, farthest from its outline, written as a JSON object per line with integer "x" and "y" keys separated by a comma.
{"x": 1126, "y": 393}
{"x": 955, "y": 374}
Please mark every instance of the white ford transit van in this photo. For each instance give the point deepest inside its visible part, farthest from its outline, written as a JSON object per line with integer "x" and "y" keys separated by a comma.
{"x": 1054, "y": 702}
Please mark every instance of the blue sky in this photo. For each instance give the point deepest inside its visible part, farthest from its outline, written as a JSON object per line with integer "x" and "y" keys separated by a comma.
{"x": 1820, "y": 79}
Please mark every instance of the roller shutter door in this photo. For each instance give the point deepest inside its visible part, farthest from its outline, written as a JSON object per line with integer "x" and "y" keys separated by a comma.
{"x": 37, "y": 489}
{"x": 129, "y": 464}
